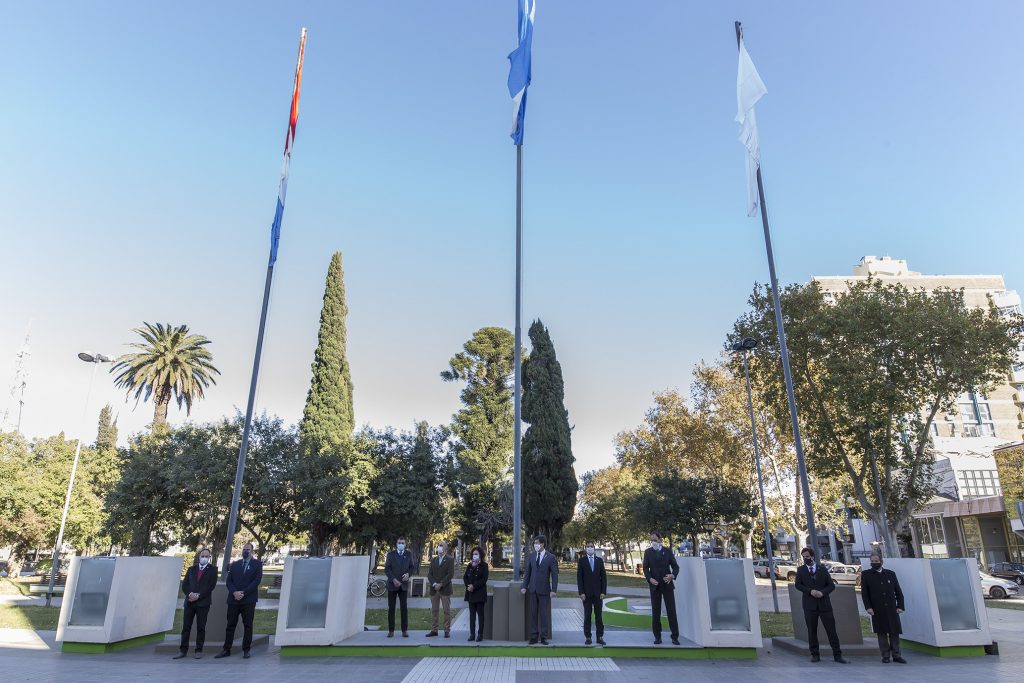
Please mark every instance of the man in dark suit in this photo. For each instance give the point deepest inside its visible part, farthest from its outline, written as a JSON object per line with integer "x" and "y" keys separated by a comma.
{"x": 592, "y": 582}
{"x": 883, "y": 600}
{"x": 661, "y": 570}
{"x": 398, "y": 567}
{"x": 198, "y": 584}
{"x": 814, "y": 581}
{"x": 243, "y": 583}
{"x": 541, "y": 583}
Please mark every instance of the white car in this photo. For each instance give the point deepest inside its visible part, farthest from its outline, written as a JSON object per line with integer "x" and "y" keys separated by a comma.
{"x": 991, "y": 587}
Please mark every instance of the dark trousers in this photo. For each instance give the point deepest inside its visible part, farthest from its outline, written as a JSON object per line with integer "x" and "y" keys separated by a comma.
{"x": 595, "y": 605}
{"x": 476, "y": 615}
{"x": 199, "y": 614}
{"x": 670, "y": 609}
{"x": 828, "y": 620}
{"x": 247, "y": 612}
{"x": 402, "y": 597}
{"x": 889, "y": 644}
{"x": 540, "y": 615}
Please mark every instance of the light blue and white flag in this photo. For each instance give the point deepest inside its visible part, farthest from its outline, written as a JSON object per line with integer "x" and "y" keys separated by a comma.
{"x": 749, "y": 89}
{"x": 519, "y": 68}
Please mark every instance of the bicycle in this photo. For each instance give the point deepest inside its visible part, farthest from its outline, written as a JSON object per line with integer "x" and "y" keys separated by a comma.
{"x": 376, "y": 586}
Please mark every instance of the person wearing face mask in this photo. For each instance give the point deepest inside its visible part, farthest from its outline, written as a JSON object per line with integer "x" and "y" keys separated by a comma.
{"x": 592, "y": 582}
{"x": 439, "y": 576}
{"x": 814, "y": 581}
{"x": 475, "y": 579}
{"x": 398, "y": 567}
{"x": 243, "y": 583}
{"x": 661, "y": 570}
{"x": 883, "y": 600}
{"x": 540, "y": 582}
{"x": 197, "y": 586}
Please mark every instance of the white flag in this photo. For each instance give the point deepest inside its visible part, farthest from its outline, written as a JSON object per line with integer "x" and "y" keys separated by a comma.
{"x": 749, "y": 89}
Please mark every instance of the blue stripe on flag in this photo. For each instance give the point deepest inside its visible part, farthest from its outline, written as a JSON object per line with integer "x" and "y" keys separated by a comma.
{"x": 275, "y": 231}
{"x": 519, "y": 72}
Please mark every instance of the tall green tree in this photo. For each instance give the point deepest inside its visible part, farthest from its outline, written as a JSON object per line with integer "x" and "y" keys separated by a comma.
{"x": 872, "y": 370}
{"x": 604, "y": 514}
{"x": 483, "y": 432}
{"x": 549, "y": 484}
{"x": 106, "y": 431}
{"x": 332, "y": 477}
{"x": 169, "y": 363}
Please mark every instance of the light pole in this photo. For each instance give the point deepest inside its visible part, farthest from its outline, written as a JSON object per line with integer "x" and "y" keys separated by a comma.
{"x": 744, "y": 347}
{"x": 95, "y": 360}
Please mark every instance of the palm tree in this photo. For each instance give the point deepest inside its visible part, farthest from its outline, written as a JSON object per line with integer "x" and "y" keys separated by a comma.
{"x": 170, "y": 362}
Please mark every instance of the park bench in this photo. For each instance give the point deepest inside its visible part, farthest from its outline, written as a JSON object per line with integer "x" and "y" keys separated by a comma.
{"x": 43, "y": 587}
{"x": 275, "y": 588}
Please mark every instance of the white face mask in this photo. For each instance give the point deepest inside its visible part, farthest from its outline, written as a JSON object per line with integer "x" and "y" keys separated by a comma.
{"x": 590, "y": 551}
{"x": 656, "y": 545}
{"x": 401, "y": 547}
{"x": 476, "y": 558}
{"x": 203, "y": 561}
{"x": 536, "y": 547}
{"x": 440, "y": 551}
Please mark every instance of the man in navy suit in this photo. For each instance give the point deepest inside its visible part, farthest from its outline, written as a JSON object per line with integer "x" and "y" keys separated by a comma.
{"x": 243, "y": 583}
{"x": 592, "y": 583}
{"x": 541, "y": 583}
{"x": 661, "y": 570}
{"x": 398, "y": 567}
{"x": 814, "y": 581}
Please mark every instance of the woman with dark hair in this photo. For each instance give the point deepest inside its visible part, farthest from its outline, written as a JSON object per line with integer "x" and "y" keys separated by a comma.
{"x": 476, "y": 593}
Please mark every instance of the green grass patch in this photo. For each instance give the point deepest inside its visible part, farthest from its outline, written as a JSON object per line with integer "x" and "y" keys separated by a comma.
{"x": 1005, "y": 605}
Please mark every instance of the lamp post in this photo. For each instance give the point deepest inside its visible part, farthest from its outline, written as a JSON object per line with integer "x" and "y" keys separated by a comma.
{"x": 744, "y": 347}
{"x": 95, "y": 360}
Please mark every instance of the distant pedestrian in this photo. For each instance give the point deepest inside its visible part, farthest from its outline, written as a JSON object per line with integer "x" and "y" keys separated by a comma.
{"x": 883, "y": 600}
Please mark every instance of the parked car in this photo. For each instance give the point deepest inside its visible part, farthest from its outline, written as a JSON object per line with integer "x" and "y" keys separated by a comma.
{"x": 991, "y": 587}
{"x": 844, "y": 574}
{"x": 1011, "y": 571}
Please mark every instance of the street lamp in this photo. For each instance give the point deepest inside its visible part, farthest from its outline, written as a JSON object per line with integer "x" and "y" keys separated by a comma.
{"x": 744, "y": 347}
{"x": 95, "y": 360}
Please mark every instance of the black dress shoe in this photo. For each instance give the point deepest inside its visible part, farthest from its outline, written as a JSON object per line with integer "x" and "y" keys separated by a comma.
{"x": 533, "y": 641}
{"x": 544, "y": 641}
{"x": 245, "y": 654}
{"x": 899, "y": 660}
{"x": 885, "y": 660}
{"x": 471, "y": 637}
{"x": 587, "y": 642}
{"x": 198, "y": 654}
{"x": 657, "y": 641}
{"x": 840, "y": 660}
{"x": 815, "y": 658}
{"x": 675, "y": 641}
{"x": 180, "y": 655}
{"x": 600, "y": 641}
{"x": 447, "y": 634}
{"x": 432, "y": 634}
{"x": 480, "y": 638}
{"x": 405, "y": 634}
{"x": 222, "y": 654}
{"x": 391, "y": 634}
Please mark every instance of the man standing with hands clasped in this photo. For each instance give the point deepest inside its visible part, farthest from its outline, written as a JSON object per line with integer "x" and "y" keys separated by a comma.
{"x": 198, "y": 585}
{"x": 661, "y": 570}
{"x": 243, "y": 583}
{"x": 541, "y": 582}
{"x": 398, "y": 567}
{"x": 592, "y": 582}
{"x": 814, "y": 582}
{"x": 883, "y": 600}
{"x": 440, "y": 575}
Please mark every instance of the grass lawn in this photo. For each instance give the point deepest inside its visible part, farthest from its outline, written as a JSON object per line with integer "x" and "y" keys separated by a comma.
{"x": 1005, "y": 605}
{"x": 781, "y": 624}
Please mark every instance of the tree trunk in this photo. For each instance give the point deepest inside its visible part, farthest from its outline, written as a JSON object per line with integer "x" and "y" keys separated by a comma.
{"x": 162, "y": 400}
{"x": 319, "y": 539}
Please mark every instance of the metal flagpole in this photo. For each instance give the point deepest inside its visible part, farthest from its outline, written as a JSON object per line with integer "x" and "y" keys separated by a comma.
{"x": 275, "y": 235}
{"x": 805, "y": 488}
{"x": 517, "y": 504}
{"x": 760, "y": 480}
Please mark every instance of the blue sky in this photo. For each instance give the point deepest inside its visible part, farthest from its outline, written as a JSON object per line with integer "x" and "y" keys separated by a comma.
{"x": 144, "y": 142}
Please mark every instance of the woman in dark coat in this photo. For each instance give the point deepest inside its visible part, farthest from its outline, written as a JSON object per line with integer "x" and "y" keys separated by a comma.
{"x": 476, "y": 593}
{"x": 883, "y": 600}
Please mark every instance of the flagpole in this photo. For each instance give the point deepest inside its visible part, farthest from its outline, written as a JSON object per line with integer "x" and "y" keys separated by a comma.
{"x": 275, "y": 233}
{"x": 812, "y": 529}
{"x": 517, "y": 503}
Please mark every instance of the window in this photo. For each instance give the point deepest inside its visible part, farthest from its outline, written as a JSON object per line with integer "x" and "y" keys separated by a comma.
{"x": 978, "y": 483}
{"x": 929, "y": 531}
{"x": 1007, "y": 311}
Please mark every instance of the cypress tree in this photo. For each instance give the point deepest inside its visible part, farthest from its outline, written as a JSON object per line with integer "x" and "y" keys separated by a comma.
{"x": 325, "y": 480}
{"x": 328, "y": 420}
{"x": 106, "y": 432}
{"x": 549, "y": 481}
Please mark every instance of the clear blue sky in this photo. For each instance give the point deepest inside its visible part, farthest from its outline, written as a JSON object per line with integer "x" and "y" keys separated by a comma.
{"x": 143, "y": 144}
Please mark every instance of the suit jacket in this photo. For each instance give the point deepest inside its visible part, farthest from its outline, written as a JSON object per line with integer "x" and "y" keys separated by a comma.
{"x": 657, "y": 565}
{"x": 594, "y": 583}
{"x": 476, "y": 577}
{"x": 880, "y": 591}
{"x": 442, "y": 573}
{"x": 396, "y": 566}
{"x": 246, "y": 580}
{"x": 821, "y": 581}
{"x": 193, "y": 584}
{"x": 543, "y": 577}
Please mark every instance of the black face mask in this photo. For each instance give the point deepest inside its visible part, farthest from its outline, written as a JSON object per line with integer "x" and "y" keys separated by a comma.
{"x": 876, "y": 565}
{"x": 246, "y": 553}
{"x": 808, "y": 561}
